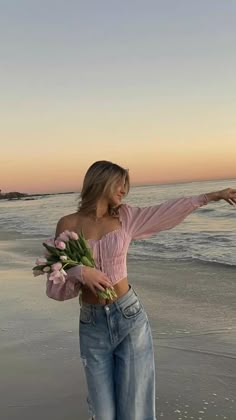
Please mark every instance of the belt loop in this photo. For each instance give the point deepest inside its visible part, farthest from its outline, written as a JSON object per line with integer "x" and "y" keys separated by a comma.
{"x": 134, "y": 291}
{"x": 93, "y": 314}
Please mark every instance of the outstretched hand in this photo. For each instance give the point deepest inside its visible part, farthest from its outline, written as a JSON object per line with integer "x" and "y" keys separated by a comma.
{"x": 229, "y": 195}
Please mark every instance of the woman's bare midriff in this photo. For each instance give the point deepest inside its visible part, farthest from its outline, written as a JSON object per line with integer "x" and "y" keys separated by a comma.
{"x": 120, "y": 288}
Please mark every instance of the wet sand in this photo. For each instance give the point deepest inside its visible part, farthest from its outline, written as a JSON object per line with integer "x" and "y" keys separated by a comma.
{"x": 191, "y": 308}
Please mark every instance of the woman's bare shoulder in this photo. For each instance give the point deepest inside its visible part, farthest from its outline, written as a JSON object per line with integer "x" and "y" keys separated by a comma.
{"x": 67, "y": 222}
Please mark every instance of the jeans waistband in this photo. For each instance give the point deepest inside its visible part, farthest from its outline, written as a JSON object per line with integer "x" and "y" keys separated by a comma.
{"x": 122, "y": 299}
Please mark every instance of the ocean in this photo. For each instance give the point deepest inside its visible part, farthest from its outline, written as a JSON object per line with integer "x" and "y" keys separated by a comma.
{"x": 208, "y": 234}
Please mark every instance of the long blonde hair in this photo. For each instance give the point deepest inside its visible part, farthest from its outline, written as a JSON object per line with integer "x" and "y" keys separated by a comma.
{"x": 99, "y": 180}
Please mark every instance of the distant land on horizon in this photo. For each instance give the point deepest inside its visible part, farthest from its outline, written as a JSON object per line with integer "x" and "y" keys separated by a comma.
{"x": 153, "y": 184}
{"x": 15, "y": 195}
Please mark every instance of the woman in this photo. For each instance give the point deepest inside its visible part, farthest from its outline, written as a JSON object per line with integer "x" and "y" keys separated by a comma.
{"x": 115, "y": 338}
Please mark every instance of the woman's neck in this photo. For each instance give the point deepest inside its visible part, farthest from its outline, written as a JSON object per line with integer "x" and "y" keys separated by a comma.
{"x": 101, "y": 209}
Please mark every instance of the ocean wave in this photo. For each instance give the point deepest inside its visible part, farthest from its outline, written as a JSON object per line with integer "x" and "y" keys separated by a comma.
{"x": 10, "y": 235}
{"x": 206, "y": 210}
{"x": 200, "y": 260}
{"x": 213, "y": 261}
{"x": 229, "y": 215}
{"x": 219, "y": 238}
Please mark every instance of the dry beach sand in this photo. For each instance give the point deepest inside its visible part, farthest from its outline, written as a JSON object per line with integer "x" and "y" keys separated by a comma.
{"x": 191, "y": 307}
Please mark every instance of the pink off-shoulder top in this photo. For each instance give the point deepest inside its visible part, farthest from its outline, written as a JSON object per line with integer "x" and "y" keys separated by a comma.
{"x": 110, "y": 252}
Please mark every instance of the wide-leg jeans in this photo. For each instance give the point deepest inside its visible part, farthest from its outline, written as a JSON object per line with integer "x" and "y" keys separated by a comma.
{"x": 116, "y": 349}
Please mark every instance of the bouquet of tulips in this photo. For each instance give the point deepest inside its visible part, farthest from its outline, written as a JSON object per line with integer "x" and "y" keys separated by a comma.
{"x": 67, "y": 251}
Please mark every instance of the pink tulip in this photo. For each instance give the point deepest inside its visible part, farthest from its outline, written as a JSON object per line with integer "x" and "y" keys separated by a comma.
{"x": 54, "y": 275}
{"x": 50, "y": 242}
{"x": 64, "y": 236}
{"x": 74, "y": 235}
{"x": 56, "y": 266}
{"x": 57, "y": 277}
{"x": 60, "y": 244}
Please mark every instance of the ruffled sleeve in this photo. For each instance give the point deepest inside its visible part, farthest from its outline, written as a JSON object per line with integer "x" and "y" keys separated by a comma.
{"x": 143, "y": 222}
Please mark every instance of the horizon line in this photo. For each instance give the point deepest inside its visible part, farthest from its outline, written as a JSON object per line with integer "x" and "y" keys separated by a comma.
{"x": 148, "y": 185}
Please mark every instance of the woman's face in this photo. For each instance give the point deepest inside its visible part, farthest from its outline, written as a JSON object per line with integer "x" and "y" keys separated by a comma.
{"x": 117, "y": 192}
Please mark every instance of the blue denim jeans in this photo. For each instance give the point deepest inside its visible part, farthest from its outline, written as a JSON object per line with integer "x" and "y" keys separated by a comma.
{"x": 116, "y": 349}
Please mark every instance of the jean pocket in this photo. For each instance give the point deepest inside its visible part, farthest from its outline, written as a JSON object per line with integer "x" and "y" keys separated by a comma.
{"x": 85, "y": 317}
{"x": 132, "y": 310}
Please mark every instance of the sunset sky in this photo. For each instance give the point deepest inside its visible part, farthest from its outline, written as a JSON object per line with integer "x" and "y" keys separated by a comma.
{"x": 149, "y": 85}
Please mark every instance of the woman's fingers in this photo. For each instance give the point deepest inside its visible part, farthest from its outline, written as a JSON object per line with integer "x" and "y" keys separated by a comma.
{"x": 100, "y": 287}
{"x": 97, "y": 280}
{"x": 230, "y": 201}
{"x": 229, "y": 195}
{"x": 95, "y": 287}
{"x": 105, "y": 281}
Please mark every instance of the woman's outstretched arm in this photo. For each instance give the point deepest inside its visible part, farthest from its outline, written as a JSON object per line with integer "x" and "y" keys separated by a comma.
{"x": 143, "y": 222}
